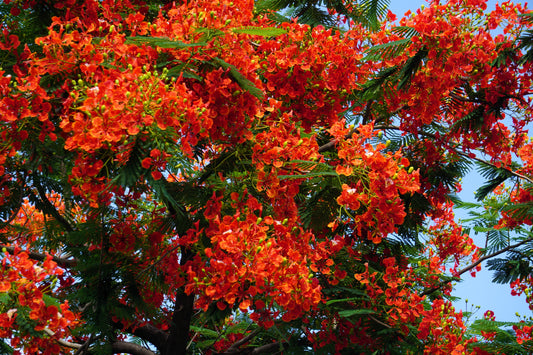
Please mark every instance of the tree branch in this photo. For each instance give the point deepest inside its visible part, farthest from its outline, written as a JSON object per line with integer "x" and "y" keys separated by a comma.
{"x": 148, "y": 332}
{"x": 430, "y": 135}
{"x": 130, "y": 348}
{"x": 495, "y": 166}
{"x": 82, "y": 350}
{"x": 64, "y": 263}
{"x": 263, "y": 349}
{"x": 52, "y": 210}
{"x": 235, "y": 346}
{"x": 178, "y": 336}
{"x": 65, "y": 343}
{"x": 269, "y": 348}
{"x": 476, "y": 263}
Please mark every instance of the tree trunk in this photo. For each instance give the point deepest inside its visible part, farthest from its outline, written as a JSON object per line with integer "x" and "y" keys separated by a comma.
{"x": 178, "y": 337}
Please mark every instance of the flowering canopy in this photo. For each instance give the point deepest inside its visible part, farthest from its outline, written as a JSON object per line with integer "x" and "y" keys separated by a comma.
{"x": 207, "y": 178}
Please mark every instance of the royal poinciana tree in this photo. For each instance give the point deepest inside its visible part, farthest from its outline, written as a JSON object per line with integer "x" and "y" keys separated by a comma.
{"x": 213, "y": 177}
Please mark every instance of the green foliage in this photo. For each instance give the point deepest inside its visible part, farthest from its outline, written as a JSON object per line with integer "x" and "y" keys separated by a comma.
{"x": 514, "y": 266}
{"x": 5, "y": 349}
{"x": 495, "y": 177}
{"x": 260, "y": 31}
{"x": 411, "y": 66}
{"x": 161, "y": 42}
{"x": 371, "y": 12}
{"x": 367, "y": 12}
{"x": 388, "y": 50}
{"x": 243, "y": 82}
{"x": 526, "y": 40}
{"x": 504, "y": 338}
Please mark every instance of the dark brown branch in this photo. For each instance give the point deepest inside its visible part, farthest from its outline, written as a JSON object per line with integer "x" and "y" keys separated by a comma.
{"x": 269, "y": 348}
{"x": 263, "y": 349}
{"x": 235, "y": 346}
{"x": 51, "y": 208}
{"x": 367, "y": 115}
{"x": 64, "y": 263}
{"x": 495, "y": 166}
{"x": 130, "y": 348}
{"x": 178, "y": 336}
{"x": 473, "y": 265}
{"x": 85, "y": 347}
{"x": 151, "y": 334}
{"x": 148, "y": 332}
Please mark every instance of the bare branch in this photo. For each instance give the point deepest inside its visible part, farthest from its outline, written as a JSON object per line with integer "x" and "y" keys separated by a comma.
{"x": 243, "y": 341}
{"x": 147, "y": 332}
{"x": 130, "y": 348}
{"x": 269, "y": 348}
{"x": 495, "y": 166}
{"x": 476, "y": 263}
{"x": 85, "y": 347}
{"x": 65, "y": 263}
{"x": 65, "y": 343}
{"x": 430, "y": 135}
{"x": 264, "y": 349}
{"x": 379, "y": 322}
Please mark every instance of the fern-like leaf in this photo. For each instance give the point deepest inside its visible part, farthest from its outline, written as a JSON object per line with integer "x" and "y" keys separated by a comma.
{"x": 243, "y": 82}
{"x": 496, "y": 176}
{"x": 260, "y": 31}
{"x": 411, "y": 67}
{"x": 161, "y": 42}
{"x": 387, "y": 50}
{"x": 372, "y": 12}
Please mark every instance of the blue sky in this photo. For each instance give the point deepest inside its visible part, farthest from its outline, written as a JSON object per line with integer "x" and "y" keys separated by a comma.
{"x": 479, "y": 291}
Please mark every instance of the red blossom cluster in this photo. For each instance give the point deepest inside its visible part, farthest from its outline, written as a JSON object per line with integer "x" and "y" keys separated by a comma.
{"x": 194, "y": 150}
{"x": 25, "y": 282}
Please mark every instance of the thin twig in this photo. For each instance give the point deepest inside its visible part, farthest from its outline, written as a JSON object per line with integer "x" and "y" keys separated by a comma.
{"x": 495, "y": 166}
{"x": 65, "y": 263}
{"x": 430, "y": 135}
{"x": 379, "y": 322}
{"x": 476, "y": 263}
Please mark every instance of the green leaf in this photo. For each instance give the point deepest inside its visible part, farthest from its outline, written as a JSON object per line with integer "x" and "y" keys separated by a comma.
{"x": 244, "y": 83}
{"x": 373, "y": 11}
{"x": 5, "y": 349}
{"x": 51, "y": 301}
{"x": 4, "y": 298}
{"x": 411, "y": 67}
{"x": 260, "y": 31}
{"x": 496, "y": 176}
{"x": 351, "y": 299}
{"x": 323, "y": 173}
{"x": 161, "y": 42}
{"x": 205, "y": 343}
{"x": 208, "y": 34}
{"x": 387, "y": 50}
{"x": 204, "y": 331}
{"x": 353, "y": 312}
{"x": 183, "y": 70}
